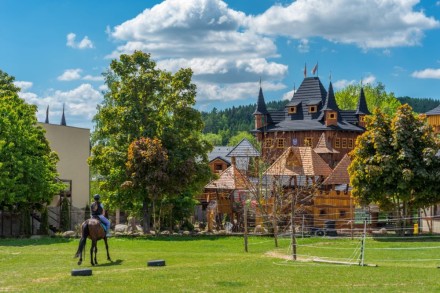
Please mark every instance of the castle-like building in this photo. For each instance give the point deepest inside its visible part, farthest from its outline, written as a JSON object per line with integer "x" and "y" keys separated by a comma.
{"x": 311, "y": 118}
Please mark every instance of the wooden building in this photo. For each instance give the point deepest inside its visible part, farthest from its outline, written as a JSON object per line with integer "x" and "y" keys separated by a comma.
{"x": 434, "y": 119}
{"x": 218, "y": 159}
{"x": 312, "y": 116}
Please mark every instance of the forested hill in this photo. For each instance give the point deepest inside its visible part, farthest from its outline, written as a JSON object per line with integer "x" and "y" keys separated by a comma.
{"x": 234, "y": 119}
{"x": 230, "y": 121}
{"x": 420, "y": 105}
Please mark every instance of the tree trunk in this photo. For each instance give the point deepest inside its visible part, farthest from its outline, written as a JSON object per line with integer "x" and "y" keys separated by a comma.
{"x": 275, "y": 222}
{"x": 145, "y": 217}
{"x": 292, "y": 220}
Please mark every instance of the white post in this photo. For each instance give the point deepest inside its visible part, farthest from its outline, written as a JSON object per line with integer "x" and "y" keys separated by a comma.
{"x": 363, "y": 243}
{"x": 302, "y": 228}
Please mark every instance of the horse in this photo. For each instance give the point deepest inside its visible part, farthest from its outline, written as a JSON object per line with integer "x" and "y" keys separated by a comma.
{"x": 92, "y": 229}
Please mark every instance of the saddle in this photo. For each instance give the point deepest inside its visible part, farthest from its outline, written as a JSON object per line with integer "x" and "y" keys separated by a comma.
{"x": 100, "y": 222}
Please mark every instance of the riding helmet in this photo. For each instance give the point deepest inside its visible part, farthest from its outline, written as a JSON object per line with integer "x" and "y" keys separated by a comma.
{"x": 96, "y": 197}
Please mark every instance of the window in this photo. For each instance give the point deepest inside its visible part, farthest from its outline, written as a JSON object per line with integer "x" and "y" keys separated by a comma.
{"x": 350, "y": 143}
{"x": 344, "y": 143}
{"x": 331, "y": 115}
{"x": 280, "y": 142}
{"x": 291, "y": 110}
{"x": 268, "y": 143}
{"x": 308, "y": 141}
{"x": 362, "y": 118}
{"x": 337, "y": 143}
{"x": 218, "y": 167}
{"x": 342, "y": 214}
{"x": 313, "y": 109}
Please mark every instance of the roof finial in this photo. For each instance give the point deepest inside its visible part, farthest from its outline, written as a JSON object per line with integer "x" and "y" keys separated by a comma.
{"x": 63, "y": 118}
{"x": 330, "y": 76}
{"x": 260, "y": 81}
{"x": 47, "y": 115}
{"x": 305, "y": 70}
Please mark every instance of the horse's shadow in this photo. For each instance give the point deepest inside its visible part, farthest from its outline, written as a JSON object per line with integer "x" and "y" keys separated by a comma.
{"x": 112, "y": 263}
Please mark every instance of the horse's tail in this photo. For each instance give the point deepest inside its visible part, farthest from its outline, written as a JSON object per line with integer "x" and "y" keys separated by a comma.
{"x": 82, "y": 241}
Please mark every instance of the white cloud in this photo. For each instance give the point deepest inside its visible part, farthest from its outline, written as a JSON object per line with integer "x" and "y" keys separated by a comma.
{"x": 303, "y": 46}
{"x": 369, "y": 79}
{"x": 340, "y": 84}
{"x": 85, "y": 43}
{"x": 207, "y": 36}
{"x": 23, "y": 85}
{"x": 70, "y": 74}
{"x": 367, "y": 24}
{"x": 288, "y": 95}
{"x": 75, "y": 74}
{"x": 427, "y": 73}
{"x": 93, "y": 78}
{"x": 80, "y": 104}
{"x": 209, "y": 92}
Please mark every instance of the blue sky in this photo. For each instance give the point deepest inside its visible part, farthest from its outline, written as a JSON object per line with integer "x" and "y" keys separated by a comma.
{"x": 58, "y": 49}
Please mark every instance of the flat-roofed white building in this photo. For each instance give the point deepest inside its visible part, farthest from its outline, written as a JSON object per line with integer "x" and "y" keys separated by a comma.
{"x": 72, "y": 144}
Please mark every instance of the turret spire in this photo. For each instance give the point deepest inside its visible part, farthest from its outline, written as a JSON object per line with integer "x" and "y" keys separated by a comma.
{"x": 63, "y": 118}
{"x": 47, "y": 115}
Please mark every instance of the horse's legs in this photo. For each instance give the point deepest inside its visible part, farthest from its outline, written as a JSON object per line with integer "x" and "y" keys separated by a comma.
{"x": 96, "y": 252}
{"x": 106, "y": 247}
{"x": 91, "y": 252}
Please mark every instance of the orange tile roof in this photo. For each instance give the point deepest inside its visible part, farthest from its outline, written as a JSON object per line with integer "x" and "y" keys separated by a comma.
{"x": 324, "y": 146}
{"x": 340, "y": 173}
{"x": 230, "y": 179}
{"x": 297, "y": 161}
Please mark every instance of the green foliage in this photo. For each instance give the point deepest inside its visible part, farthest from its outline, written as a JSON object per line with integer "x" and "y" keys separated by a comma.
{"x": 27, "y": 165}
{"x": 7, "y": 87}
{"x": 213, "y": 139}
{"x": 236, "y": 139}
{"x": 419, "y": 105}
{"x": 65, "y": 214}
{"x": 394, "y": 162}
{"x": 86, "y": 212}
{"x": 144, "y": 101}
{"x": 25, "y": 220}
{"x": 231, "y": 121}
{"x": 376, "y": 96}
{"x": 44, "y": 223}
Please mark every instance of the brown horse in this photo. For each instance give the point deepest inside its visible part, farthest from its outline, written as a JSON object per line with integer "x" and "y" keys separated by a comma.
{"x": 92, "y": 229}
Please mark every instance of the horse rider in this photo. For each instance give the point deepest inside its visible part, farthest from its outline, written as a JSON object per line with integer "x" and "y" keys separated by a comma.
{"x": 97, "y": 209}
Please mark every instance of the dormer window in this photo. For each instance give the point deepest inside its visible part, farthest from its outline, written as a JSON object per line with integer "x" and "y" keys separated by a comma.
{"x": 362, "y": 118}
{"x": 291, "y": 110}
{"x": 313, "y": 109}
{"x": 331, "y": 115}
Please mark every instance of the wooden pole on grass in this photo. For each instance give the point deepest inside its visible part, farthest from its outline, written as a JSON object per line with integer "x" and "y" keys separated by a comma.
{"x": 245, "y": 227}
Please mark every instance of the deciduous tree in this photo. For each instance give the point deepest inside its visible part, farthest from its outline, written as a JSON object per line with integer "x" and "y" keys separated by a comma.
{"x": 394, "y": 163}
{"x": 376, "y": 96}
{"x": 144, "y": 101}
{"x": 27, "y": 164}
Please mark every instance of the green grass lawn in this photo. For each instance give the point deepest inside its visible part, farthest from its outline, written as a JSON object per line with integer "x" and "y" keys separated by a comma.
{"x": 220, "y": 265}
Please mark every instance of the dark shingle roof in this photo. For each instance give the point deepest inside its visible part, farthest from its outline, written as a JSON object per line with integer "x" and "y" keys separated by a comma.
{"x": 244, "y": 149}
{"x": 221, "y": 153}
{"x": 261, "y": 104}
{"x": 362, "y": 108}
{"x": 435, "y": 111}
{"x": 330, "y": 100}
{"x": 349, "y": 116}
{"x": 312, "y": 91}
{"x": 314, "y": 125}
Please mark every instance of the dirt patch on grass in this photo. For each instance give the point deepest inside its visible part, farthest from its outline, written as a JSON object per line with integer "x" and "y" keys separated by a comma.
{"x": 277, "y": 254}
